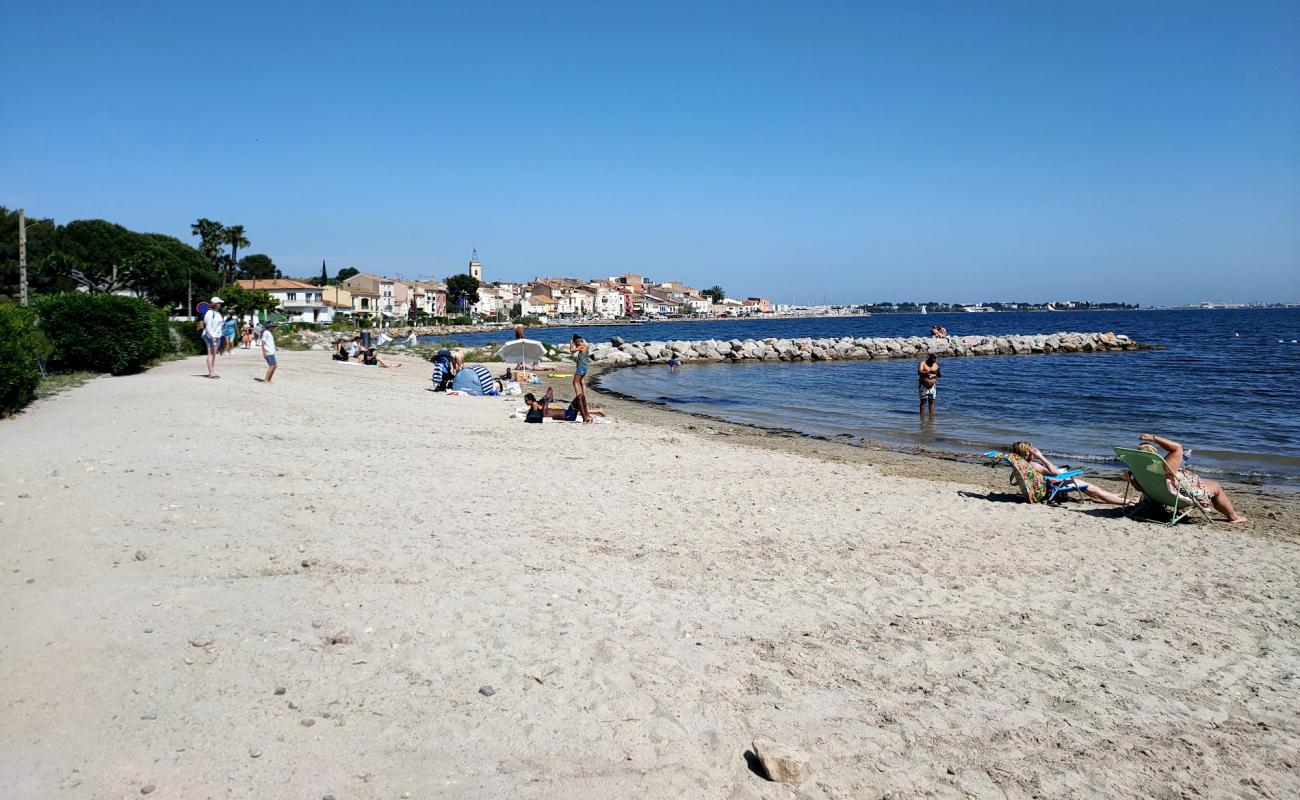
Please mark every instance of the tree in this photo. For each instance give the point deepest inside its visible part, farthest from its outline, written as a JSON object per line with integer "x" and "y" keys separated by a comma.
{"x": 258, "y": 266}
{"x": 715, "y": 293}
{"x": 345, "y": 273}
{"x": 324, "y": 279}
{"x": 462, "y": 290}
{"x": 246, "y": 301}
{"x": 211, "y": 237}
{"x": 40, "y": 243}
{"x": 234, "y": 236}
{"x": 101, "y": 256}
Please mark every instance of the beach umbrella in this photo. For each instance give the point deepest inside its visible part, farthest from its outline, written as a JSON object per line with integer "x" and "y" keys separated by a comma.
{"x": 522, "y": 351}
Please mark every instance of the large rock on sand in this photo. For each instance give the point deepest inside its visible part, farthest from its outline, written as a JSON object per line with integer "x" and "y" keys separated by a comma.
{"x": 783, "y": 763}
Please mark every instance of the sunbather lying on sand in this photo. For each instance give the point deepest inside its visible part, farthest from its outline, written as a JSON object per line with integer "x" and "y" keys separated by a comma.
{"x": 1038, "y": 461}
{"x": 539, "y": 410}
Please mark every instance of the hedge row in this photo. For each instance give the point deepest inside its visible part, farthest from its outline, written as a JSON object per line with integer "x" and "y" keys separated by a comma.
{"x": 103, "y": 332}
{"x": 74, "y": 331}
{"x": 19, "y": 348}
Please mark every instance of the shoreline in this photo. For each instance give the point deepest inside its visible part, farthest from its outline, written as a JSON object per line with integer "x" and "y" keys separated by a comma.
{"x": 943, "y": 466}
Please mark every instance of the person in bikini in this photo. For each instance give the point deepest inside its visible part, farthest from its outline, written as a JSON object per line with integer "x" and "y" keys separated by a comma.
{"x": 1182, "y": 481}
{"x": 927, "y": 374}
{"x": 539, "y": 410}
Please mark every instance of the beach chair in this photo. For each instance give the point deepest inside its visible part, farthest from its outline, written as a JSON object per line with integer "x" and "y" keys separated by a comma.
{"x": 1036, "y": 488}
{"x": 1151, "y": 473}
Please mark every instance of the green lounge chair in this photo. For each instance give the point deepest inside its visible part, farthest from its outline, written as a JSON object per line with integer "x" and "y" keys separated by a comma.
{"x": 1149, "y": 470}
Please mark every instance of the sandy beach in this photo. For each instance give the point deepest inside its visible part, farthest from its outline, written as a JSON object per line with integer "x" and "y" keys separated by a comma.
{"x": 225, "y": 589}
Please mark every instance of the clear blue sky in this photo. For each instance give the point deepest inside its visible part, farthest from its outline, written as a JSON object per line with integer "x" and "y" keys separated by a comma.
{"x": 953, "y": 151}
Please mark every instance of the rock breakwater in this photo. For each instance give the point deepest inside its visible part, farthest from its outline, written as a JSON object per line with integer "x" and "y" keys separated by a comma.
{"x": 621, "y": 354}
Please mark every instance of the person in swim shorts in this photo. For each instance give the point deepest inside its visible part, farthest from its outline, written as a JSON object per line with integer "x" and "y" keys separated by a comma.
{"x": 927, "y": 375}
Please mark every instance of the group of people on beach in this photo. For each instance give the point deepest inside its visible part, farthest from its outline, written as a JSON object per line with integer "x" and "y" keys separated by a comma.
{"x": 218, "y": 335}
{"x": 360, "y": 350}
{"x": 1180, "y": 480}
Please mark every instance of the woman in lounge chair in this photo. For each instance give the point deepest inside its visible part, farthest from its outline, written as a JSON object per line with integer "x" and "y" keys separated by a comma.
{"x": 1035, "y": 458}
{"x": 1182, "y": 481}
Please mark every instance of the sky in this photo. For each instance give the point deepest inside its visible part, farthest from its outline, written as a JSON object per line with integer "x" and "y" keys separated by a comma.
{"x": 851, "y": 152}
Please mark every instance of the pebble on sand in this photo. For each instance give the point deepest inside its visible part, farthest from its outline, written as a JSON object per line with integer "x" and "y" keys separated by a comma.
{"x": 782, "y": 763}
{"x": 280, "y": 690}
{"x": 253, "y": 752}
{"x": 308, "y": 722}
{"x": 147, "y": 788}
{"x": 486, "y": 691}
{"x": 141, "y": 555}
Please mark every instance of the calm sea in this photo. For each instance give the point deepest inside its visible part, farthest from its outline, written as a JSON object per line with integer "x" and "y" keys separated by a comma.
{"x": 1226, "y": 386}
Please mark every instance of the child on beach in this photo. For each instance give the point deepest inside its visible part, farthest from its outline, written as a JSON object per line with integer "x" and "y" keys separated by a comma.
{"x": 268, "y": 351}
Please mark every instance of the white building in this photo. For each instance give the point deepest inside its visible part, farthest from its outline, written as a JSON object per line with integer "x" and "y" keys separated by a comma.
{"x": 301, "y": 302}
{"x": 609, "y": 303}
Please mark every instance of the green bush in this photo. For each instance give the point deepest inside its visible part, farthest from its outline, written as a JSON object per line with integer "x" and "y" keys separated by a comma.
{"x": 103, "y": 332}
{"x": 19, "y": 348}
{"x": 461, "y": 321}
{"x": 187, "y": 339}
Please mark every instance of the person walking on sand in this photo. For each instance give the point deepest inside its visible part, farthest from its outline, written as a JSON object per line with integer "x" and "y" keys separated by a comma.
{"x": 228, "y": 330}
{"x": 927, "y": 374}
{"x": 213, "y": 333}
{"x": 581, "y": 360}
{"x": 268, "y": 351}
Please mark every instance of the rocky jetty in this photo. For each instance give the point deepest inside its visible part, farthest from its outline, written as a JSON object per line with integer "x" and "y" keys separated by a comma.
{"x": 620, "y": 354}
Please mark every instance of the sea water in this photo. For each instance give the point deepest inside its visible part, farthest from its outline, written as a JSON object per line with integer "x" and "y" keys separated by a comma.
{"x": 1225, "y": 386}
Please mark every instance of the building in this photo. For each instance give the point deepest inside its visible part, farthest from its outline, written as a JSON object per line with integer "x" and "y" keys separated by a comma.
{"x": 658, "y": 303}
{"x": 300, "y": 302}
{"x": 429, "y": 297}
{"x": 759, "y": 304}
{"x": 475, "y": 268}
{"x": 610, "y": 302}
{"x": 375, "y": 295}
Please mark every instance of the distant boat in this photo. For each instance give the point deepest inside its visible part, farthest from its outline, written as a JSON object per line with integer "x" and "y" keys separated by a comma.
{"x": 923, "y": 311}
{"x": 979, "y": 308}
{"x": 1051, "y": 307}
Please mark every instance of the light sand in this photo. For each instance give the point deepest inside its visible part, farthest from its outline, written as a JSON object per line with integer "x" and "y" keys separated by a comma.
{"x": 644, "y": 600}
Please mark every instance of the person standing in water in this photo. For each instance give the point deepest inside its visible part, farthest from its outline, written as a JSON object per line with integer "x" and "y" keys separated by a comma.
{"x": 927, "y": 374}
{"x": 581, "y": 360}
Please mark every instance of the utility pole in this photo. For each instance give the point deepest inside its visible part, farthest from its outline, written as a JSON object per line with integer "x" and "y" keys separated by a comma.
{"x": 22, "y": 258}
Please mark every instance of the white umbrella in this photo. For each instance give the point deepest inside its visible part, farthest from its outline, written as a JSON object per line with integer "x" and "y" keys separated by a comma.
{"x": 522, "y": 351}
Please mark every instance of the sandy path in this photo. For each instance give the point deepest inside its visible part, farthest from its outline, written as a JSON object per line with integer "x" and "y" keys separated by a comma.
{"x": 643, "y": 600}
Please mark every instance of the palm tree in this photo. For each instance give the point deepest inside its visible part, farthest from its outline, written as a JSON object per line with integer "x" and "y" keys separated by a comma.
{"x": 210, "y": 233}
{"x": 234, "y": 236}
